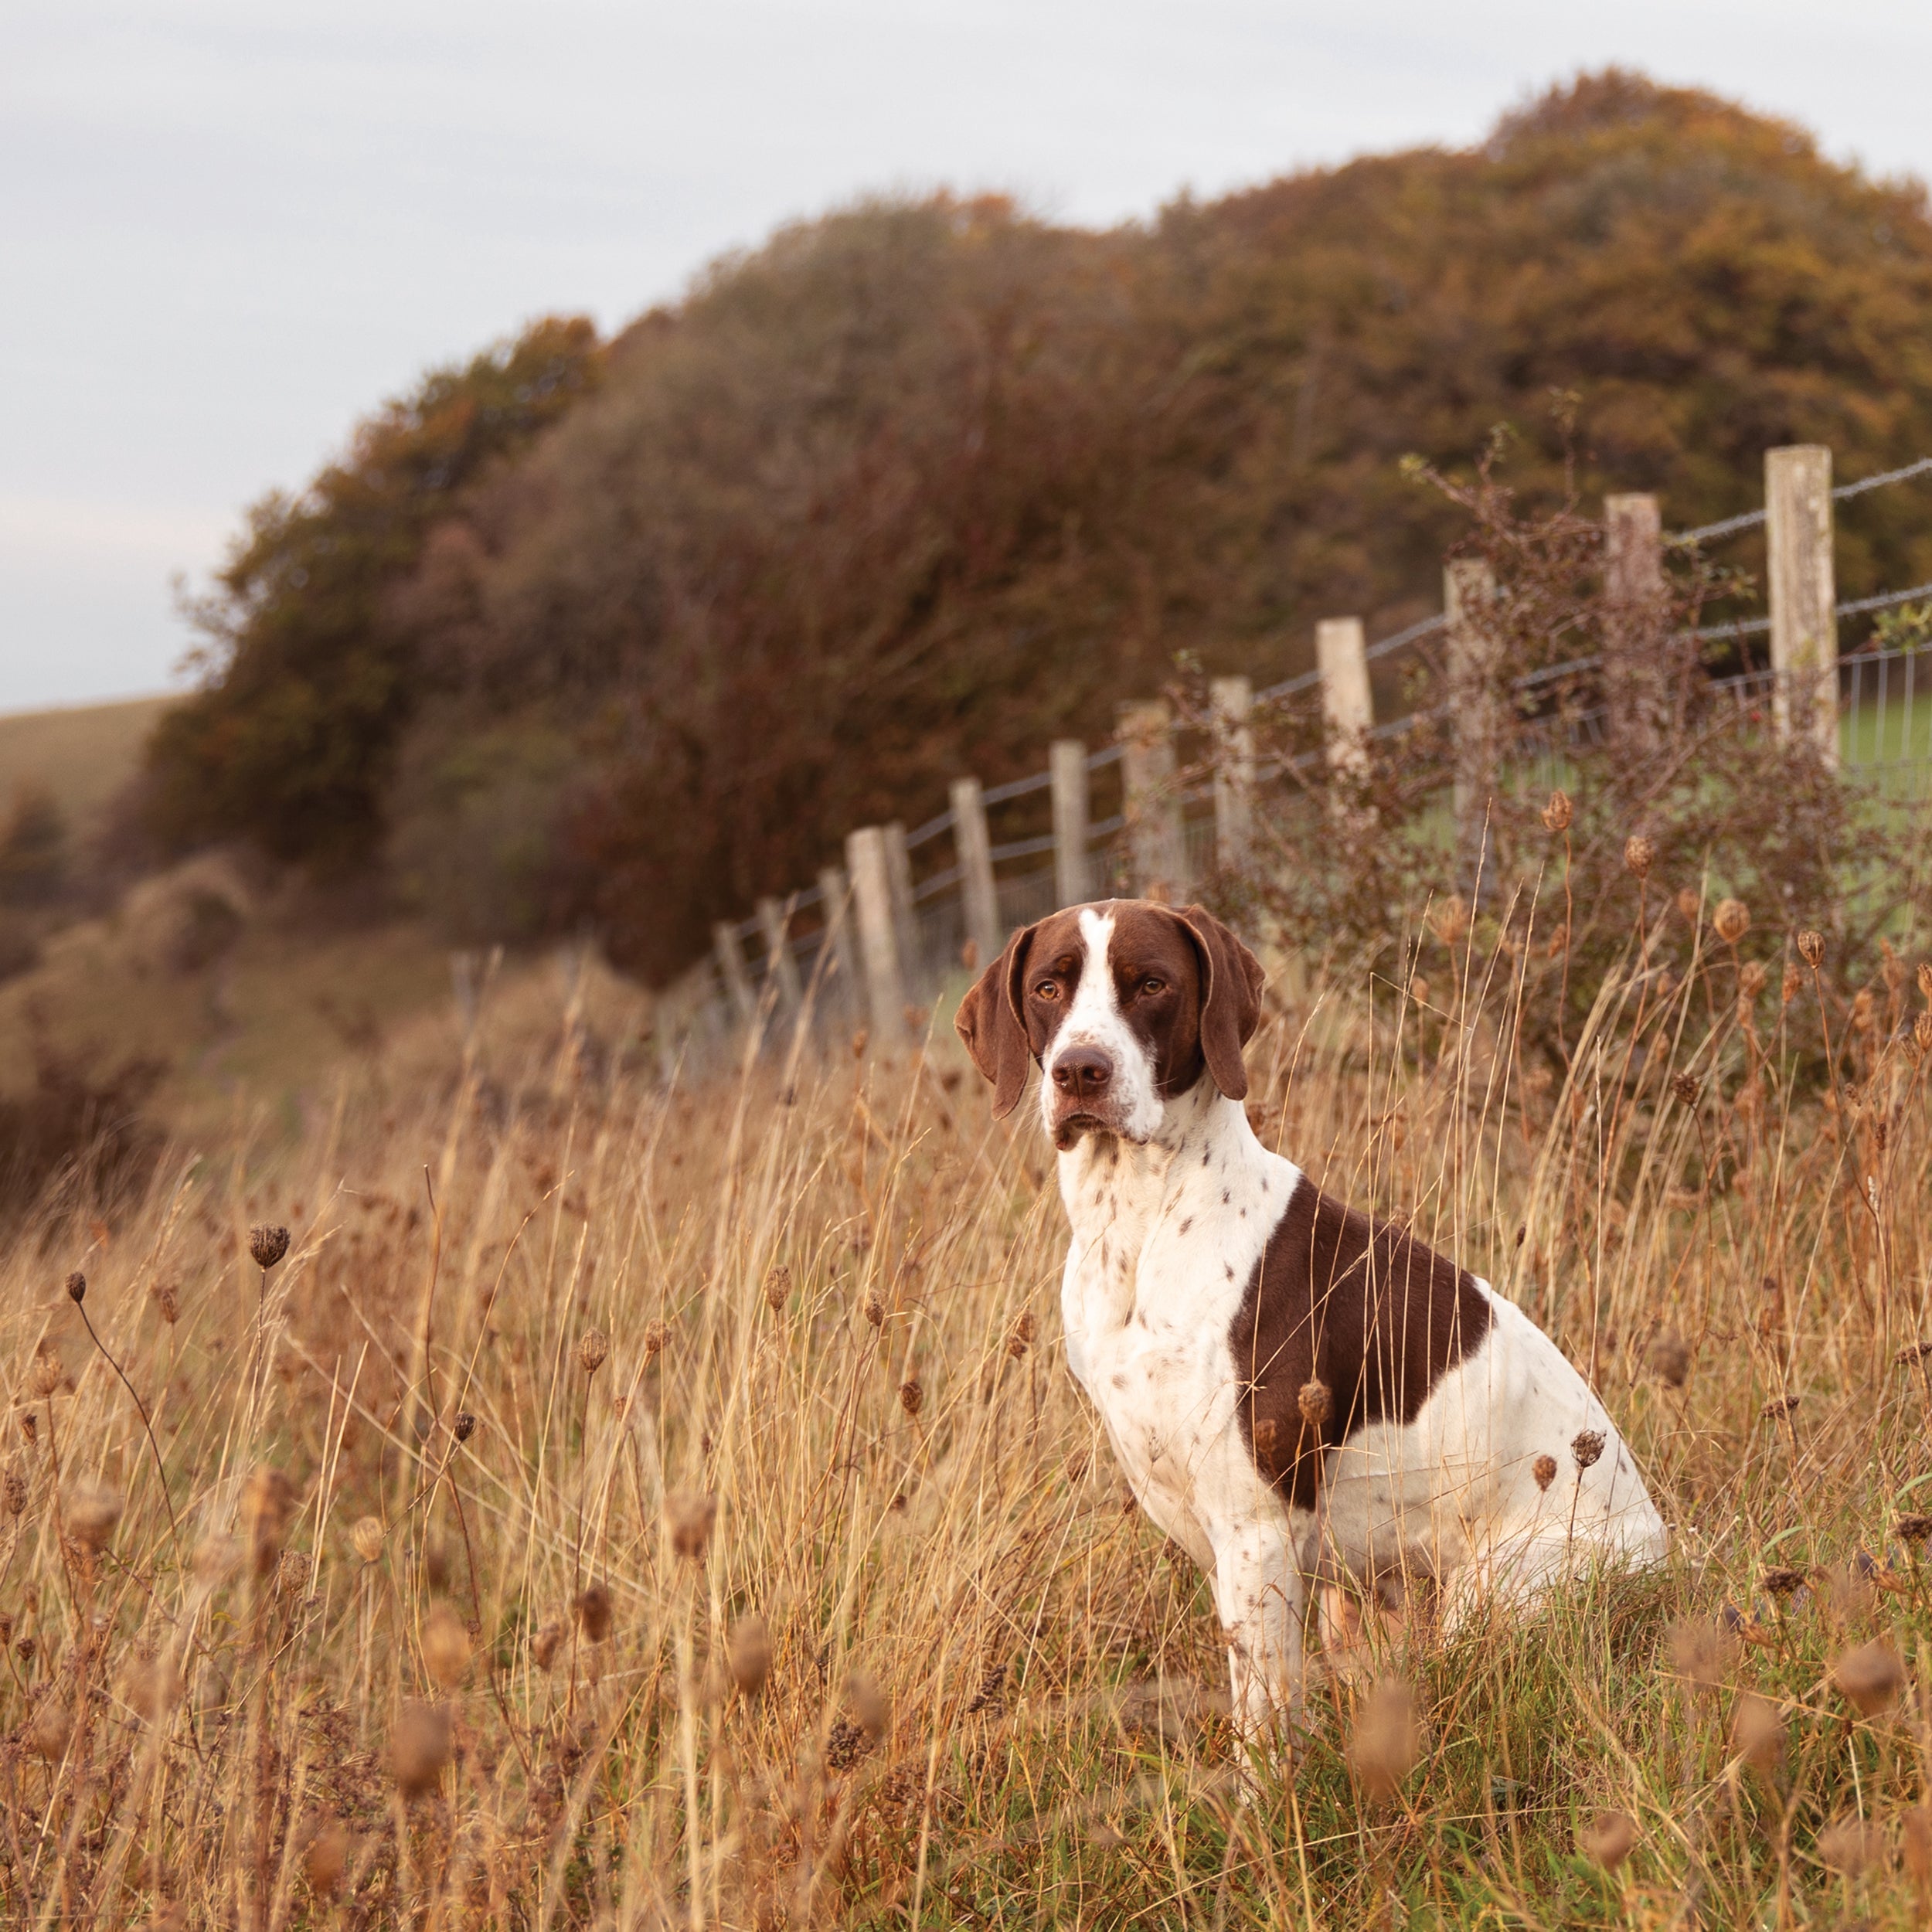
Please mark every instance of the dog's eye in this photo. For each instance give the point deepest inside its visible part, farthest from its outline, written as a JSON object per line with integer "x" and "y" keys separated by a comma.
{"x": 1153, "y": 986}
{"x": 1047, "y": 989}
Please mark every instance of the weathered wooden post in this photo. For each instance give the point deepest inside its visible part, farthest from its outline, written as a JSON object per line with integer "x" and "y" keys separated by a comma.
{"x": 899, "y": 869}
{"x": 1636, "y": 691}
{"x": 1233, "y": 698}
{"x": 835, "y": 901}
{"x": 781, "y": 969}
{"x": 1469, "y": 591}
{"x": 731, "y": 965}
{"x": 1156, "y": 843}
{"x": 1798, "y": 506}
{"x": 1067, "y": 764}
{"x": 1348, "y": 705}
{"x": 867, "y": 859}
{"x": 973, "y": 844}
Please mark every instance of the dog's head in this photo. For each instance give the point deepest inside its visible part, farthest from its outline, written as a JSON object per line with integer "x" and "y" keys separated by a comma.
{"x": 1124, "y": 1005}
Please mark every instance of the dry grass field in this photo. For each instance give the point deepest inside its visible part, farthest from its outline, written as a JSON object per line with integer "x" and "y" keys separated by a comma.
{"x": 634, "y": 1506}
{"x": 81, "y": 754}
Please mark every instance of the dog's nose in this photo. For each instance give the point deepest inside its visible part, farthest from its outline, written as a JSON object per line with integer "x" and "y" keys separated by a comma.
{"x": 1083, "y": 1072}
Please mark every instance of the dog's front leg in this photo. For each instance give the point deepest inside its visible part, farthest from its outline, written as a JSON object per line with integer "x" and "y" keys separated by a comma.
{"x": 1261, "y": 1596}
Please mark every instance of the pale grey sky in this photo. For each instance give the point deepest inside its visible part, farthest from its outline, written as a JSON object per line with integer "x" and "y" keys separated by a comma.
{"x": 228, "y": 229}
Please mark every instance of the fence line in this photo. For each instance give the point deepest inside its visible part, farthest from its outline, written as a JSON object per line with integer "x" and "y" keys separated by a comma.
{"x": 886, "y": 939}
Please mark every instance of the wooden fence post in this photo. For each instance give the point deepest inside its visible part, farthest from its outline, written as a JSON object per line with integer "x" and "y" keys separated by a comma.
{"x": 899, "y": 869}
{"x": 1348, "y": 704}
{"x": 731, "y": 963}
{"x": 1469, "y": 589}
{"x": 1797, "y": 505}
{"x": 835, "y": 900}
{"x": 1067, "y": 764}
{"x": 868, "y": 860}
{"x": 774, "y": 924}
{"x": 1233, "y": 698}
{"x": 1155, "y": 836}
{"x": 973, "y": 846}
{"x": 1635, "y": 674}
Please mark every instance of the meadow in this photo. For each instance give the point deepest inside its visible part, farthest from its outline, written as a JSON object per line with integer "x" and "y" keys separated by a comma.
{"x": 619, "y": 1503}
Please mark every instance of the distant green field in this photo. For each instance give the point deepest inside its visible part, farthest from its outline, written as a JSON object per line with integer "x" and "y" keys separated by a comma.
{"x": 83, "y": 754}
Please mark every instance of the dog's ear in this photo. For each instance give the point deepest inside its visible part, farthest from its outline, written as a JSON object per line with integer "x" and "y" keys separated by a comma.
{"x": 988, "y": 1022}
{"x": 1231, "y": 982}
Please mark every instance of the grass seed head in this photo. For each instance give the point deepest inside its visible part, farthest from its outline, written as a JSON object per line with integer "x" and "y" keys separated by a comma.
{"x": 593, "y": 1613}
{"x": 690, "y": 1514}
{"x": 749, "y": 1654}
{"x": 419, "y": 1746}
{"x": 1558, "y": 814}
{"x": 1811, "y": 948}
{"x": 1608, "y": 1839}
{"x": 326, "y": 1857}
{"x": 1670, "y": 1356}
{"x": 267, "y": 1245}
{"x": 594, "y": 1345}
{"x": 1544, "y": 1470}
{"x": 1383, "y": 1746}
{"x": 1869, "y": 1677}
{"x": 91, "y": 1513}
{"x": 1314, "y": 1403}
{"x": 1586, "y": 1447}
{"x": 446, "y": 1648}
{"x": 1850, "y": 1845}
{"x": 1640, "y": 854}
{"x": 1757, "y": 1733}
{"x": 1732, "y": 920}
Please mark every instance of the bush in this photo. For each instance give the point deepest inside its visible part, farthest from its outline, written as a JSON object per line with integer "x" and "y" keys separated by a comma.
{"x": 80, "y": 1131}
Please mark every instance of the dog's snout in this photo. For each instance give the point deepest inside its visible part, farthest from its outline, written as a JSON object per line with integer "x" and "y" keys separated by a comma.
{"x": 1084, "y": 1073}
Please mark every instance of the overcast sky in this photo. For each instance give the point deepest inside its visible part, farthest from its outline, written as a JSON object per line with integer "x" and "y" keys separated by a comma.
{"x": 227, "y": 229}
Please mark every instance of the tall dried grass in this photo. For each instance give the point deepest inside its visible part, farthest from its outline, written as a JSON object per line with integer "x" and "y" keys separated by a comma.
{"x": 640, "y": 1507}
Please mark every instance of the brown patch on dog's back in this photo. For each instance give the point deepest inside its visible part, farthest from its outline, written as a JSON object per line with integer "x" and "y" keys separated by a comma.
{"x": 1361, "y": 1307}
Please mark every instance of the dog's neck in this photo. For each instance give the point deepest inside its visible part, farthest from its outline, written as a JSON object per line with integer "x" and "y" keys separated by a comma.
{"x": 1123, "y": 1188}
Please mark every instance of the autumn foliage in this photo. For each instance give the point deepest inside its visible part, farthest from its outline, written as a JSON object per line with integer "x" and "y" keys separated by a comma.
{"x": 915, "y": 487}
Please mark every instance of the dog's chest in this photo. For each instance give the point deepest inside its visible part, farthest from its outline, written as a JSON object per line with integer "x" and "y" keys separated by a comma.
{"x": 1162, "y": 1251}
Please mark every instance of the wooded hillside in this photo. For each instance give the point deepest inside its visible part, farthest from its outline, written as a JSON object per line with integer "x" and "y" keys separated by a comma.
{"x": 914, "y": 487}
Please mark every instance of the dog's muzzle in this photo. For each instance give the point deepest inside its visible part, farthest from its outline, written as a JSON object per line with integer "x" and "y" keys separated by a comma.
{"x": 1083, "y": 1078}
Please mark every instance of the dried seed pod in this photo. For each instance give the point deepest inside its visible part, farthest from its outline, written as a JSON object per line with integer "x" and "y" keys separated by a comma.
{"x": 91, "y": 1513}
{"x": 1020, "y": 1337}
{"x": 690, "y": 1514}
{"x": 1732, "y": 920}
{"x": 545, "y": 1641}
{"x": 1922, "y": 1033}
{"x": 1544, "y": 1470}
{"x": 1314, "y": 1403}
{"x": 1870, "y": 1676}
{"x": 1384, "y": 1744}
{"x": 267, "y": 1245}
{"x": 1586, "y": 1447}
{"x": 1689, "y": 905}
{"x": 1686, "y": 1087}
{"x": 29, "y": 1427}
{"x": 594, "y": 1346}
{"x": 167, "y": 1302}
{"x": 777, "y": 1287}
{"x": 76, "y": 1287}
{"x": 446, "y": 1647}
{"x": 872, "y": 1308}
{"x": 593, "y": 1613}
{"x": 419, "y": 1747}
{"x": 1608, "y": 1839}
{"x": 1783, "y": 1579}
{"x": 912, "y": 1397}
{"x": 656, "y": 1335}
{"x": 49, "y": 1730}
{"x": 1811, "y": 948}
{"x": 1779, "y": 1407}
{"x": 14, "y": 1492}
{"x": 1670, "y": 1356}
{"x": 365, "y": 1538}
{"x": 49, "y": 1372}
{"x": 1640, "y": 854}
{"x": 749, "y": 1654}
{"x": 292, "y": 1572}
{"x": 463, "y": 1426}
{"x": 1558, "y": 814}
{"x": 326, "y": 1857}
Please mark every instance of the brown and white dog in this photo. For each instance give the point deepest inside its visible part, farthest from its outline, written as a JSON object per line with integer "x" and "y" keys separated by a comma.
{"x": 1209, "y": 1283}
